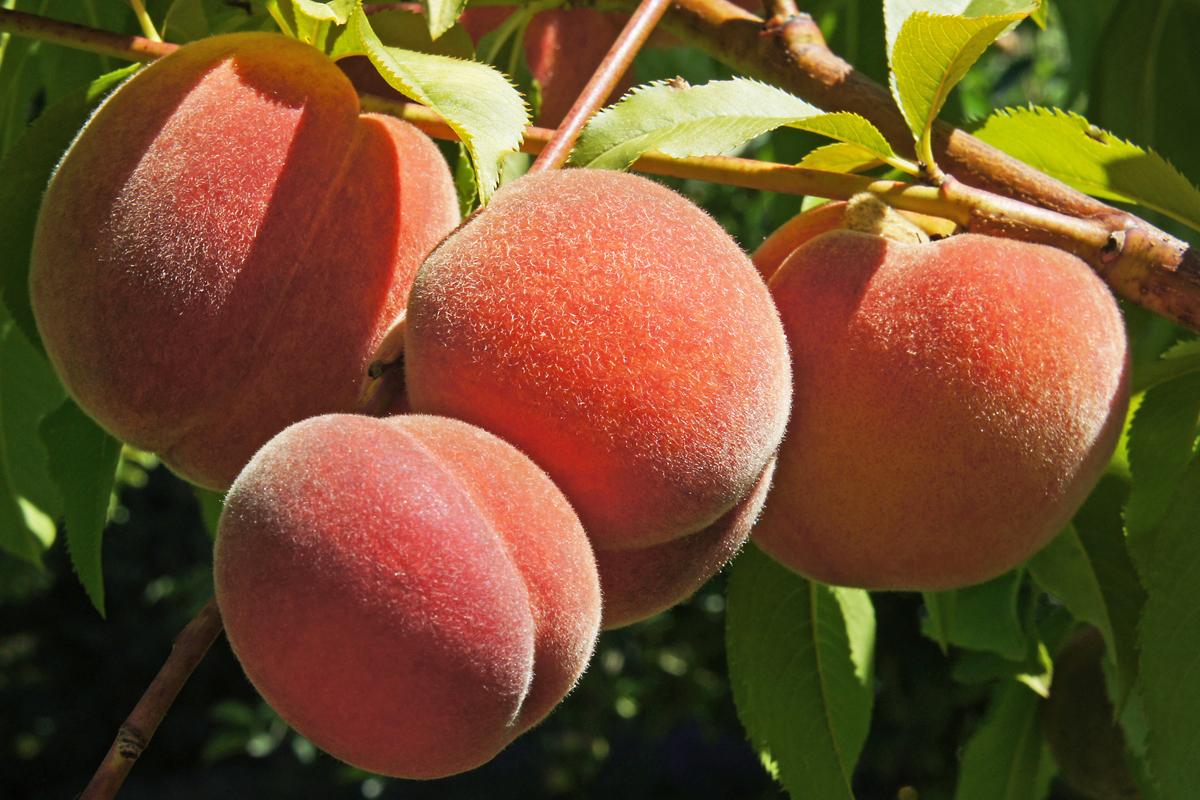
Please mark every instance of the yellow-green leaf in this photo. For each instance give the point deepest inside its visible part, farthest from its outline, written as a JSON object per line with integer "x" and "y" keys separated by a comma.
{"x": 480, "y": 105}
{"x": 1065, "y": 145}
{"x": 933, "y": 52}
{"x": 714, "y": 118}
{"x": 442, "y": 14}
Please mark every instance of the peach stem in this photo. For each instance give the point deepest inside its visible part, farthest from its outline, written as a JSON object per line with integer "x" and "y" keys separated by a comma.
{"x": 602, "y": 83}
{"x": 138, "y": 728}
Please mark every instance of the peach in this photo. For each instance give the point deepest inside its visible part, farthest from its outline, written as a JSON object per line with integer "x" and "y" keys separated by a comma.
{"x": 224, "y": 246}
{"x": 955, "y": 402}
{"x": 614, "y": 333}
{"x": 637, "y": 584}
{"x": 788, "y": 237}
{"x": 409, "y": 593}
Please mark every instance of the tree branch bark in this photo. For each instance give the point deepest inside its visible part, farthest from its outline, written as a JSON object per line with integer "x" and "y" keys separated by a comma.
{"x": 1140, "y": 262}
{"x": 139, "y": 727}
{"x": 992, "y": 192}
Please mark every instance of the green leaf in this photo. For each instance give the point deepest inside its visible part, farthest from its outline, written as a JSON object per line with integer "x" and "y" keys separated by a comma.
{"x": 83, "y": 463}
{"x": 1170, "y": 643}
{"x": 29, "y": 390}
{"x": 442, "y": 14}
{"x": 478, "y": 103}
{"x": 1068, "y": 147}
{"x": 1142, "y": 74}
{"x": 939, "y": 607}
{"x": 932, "y": 53}
{"x": 1007, "y": 757}
{"x": 25, "y": 531}
{"x": 895, "y": 12}
{"x": 211, "y": 505}
{"x": 800, "y": 656}
{"x": 185, "y": 21}
{"x": 1162, "y": 440}
{"x": 311, "y": 21}
{"x": 464, "y": 182}
{"x": 711, "y": 119}
{"x": 1093, "y": 576}
{"x": 24, "y": 173}
{"x": 840, "y": 157}
{"x": 1181, "y": 359}
{"x": 397, "y": 27}
{"x": 984, "y": 617}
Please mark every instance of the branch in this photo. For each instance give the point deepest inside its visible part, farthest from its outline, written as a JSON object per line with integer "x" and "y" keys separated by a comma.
{"x": 602, "y": 83}
{"x": 139, "y": 727}
{"x": 1141, "y": 262}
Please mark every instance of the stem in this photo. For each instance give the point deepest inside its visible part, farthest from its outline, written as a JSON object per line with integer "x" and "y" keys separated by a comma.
{"x": 602, "y": 84}
{"x": 81, "y": 37}
{"x": 139, "y": 727}
{"x": 1146, "y": 265}
{"x": 147, "y": 24}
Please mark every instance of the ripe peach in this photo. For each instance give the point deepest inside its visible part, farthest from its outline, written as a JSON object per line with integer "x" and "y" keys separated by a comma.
{"x": 795, "y": 232}
{"x": 410, "y": 593}
{"x": 615, "y": 333}
{"x": 955, "y": 402}
{"x": 224, "y": 246}
{"x": 637, "y": 584}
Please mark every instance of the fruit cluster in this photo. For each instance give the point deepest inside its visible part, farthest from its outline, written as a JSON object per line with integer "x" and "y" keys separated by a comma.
{"x": 598, "y": 380}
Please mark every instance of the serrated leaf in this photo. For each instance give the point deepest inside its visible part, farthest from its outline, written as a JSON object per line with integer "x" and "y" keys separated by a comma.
{"x": 29, "y": 390}
{"x": 895, "y": 12}
{"x": 800, "y": 656}
{"x": 1170, "y": 643}
{"x": 24, "y": 530}
{"x": 1007, "y": 757}
{"x": 24, "y": 173}
{"x": 442, "y": 14}
{"x": 711, "y": 119}
{"x": 840, "y": 157}
{"x": 398, "y": 27}
{"x": 464, "y": 182}
{"x": 83, "y": 463}
{"x": 984, "y": 617}
{"x": 1065, "y": 145}
{"x": 932, "y": 53}
{"x": 1094, "y": 578}
{"x": 683, "y": 121}
{"x": 1142, "y": 73}
{"x": 1181, "y": 359}
{"x": 311, "y": 21}
{"x": 1161, "y": 444}
{"x": 479, "y": 104}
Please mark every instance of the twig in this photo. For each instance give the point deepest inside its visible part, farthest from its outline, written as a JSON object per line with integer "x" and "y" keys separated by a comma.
{"x": 139, "y": 727}
{"x": 80, "y": 37}
{"x": 1140, "y": 262}
{"x": 1152, "y": 268}
{"x": 602, "y": 83}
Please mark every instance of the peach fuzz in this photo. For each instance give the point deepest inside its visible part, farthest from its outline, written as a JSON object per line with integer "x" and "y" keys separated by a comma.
{"x": 637, "y": 584}
{"x": 224, "y": 246}
{"x": 409, "y": 593}
{"x": 613, "y": 332}
{"x": 955, "y": 402}
{"x": 789, "y": 236}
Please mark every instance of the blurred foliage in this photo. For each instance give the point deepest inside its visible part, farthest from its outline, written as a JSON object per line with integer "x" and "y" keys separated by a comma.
{"x": 653, "y": 717}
